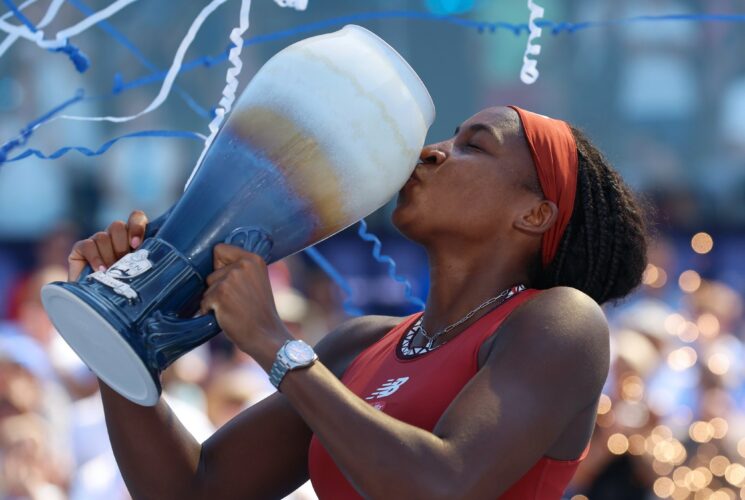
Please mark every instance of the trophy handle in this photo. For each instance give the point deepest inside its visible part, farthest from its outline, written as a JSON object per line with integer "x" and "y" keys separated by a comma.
{"x": 169, "y": 337}
{"x": 150, "y": 230}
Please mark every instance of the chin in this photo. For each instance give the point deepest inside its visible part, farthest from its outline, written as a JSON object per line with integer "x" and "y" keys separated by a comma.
{"x": 408, "y": 222}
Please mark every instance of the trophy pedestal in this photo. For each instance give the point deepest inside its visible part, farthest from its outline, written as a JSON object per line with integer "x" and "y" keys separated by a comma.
{"x": 104, "y": 349}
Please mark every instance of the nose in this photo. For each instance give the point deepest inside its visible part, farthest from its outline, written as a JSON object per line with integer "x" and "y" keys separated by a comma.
{"x": 433, "y": 154}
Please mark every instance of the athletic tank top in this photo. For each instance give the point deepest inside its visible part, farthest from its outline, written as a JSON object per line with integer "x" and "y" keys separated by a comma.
{"x": 418, "y": 391}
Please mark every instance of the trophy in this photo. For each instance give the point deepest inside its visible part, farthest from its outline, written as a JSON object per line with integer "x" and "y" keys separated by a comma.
{"x": 328, "y": 130}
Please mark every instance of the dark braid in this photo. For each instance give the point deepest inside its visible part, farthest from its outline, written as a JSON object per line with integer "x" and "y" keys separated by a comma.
{"x": 604, "y": 249}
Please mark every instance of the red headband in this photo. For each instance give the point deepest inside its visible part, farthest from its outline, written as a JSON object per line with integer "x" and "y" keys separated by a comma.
{"x": 554, "y": 152}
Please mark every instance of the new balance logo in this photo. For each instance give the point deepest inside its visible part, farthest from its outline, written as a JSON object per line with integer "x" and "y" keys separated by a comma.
{"x": 389, "y": 387}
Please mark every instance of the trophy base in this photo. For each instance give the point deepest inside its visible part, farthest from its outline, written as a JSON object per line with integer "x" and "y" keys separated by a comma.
{"x": 100, "y": 346}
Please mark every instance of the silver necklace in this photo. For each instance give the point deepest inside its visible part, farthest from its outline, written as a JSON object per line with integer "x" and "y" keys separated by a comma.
{"x": 504, "y": 295}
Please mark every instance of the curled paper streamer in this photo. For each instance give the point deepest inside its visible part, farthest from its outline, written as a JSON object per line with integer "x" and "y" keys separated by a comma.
{"x": 529, "y": 72}
{"x": 231, "y": 79}
{"x": 363, "y": 233}
{"x": 228, "y": 92}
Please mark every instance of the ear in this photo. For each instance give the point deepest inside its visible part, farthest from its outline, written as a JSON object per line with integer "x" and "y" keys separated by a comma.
{"x": 538, "y": 218}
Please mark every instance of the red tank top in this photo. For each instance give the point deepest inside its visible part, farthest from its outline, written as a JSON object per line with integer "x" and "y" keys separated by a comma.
{"x": 418, "y": 391}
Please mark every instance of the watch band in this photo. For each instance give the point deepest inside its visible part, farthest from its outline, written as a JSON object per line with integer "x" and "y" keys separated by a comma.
{"x": 283, "y": 364}
{"x": 278, "y": 371}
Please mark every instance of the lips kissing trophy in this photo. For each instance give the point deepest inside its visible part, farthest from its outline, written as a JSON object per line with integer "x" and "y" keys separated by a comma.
{"x": 327, "y": 131}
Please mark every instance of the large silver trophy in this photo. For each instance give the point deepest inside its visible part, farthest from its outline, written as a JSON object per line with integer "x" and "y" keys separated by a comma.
{"x": 327, "y": 131}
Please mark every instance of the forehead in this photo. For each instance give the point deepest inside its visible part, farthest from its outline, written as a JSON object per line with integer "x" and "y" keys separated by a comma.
{"x": 502, "y": 118}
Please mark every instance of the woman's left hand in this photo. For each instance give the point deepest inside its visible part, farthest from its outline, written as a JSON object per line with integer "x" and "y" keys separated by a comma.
{"x": 240, "y": 295}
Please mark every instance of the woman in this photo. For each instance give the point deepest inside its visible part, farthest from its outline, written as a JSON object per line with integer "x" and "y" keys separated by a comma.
{"x": 491, "y": 392}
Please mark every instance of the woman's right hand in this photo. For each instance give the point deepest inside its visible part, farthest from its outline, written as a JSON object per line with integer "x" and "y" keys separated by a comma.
{"x": 106, "y": 247}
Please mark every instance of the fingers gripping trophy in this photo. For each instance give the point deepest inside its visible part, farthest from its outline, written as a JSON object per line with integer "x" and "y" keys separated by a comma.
{"x": 327, "y": 131}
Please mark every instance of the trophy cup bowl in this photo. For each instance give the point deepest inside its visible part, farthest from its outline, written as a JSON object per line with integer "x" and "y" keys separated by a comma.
{"x": 328, "y": 130}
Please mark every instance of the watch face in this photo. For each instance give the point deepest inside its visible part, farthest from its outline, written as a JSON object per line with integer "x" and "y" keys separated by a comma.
{"x": 299, "y": 352}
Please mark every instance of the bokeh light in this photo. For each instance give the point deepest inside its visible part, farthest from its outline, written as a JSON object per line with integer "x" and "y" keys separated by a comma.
{"x": 682, "y": 358}
{"x": 618, "y": 444}
{"x": 702, "y": 243}
{"x": 708, "y": 325}
{"x": 689, "y": 281}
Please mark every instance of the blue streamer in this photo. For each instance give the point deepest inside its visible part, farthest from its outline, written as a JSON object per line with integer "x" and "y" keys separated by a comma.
{"x": 384, "y": 259}
{"x": 29, "y": 129}
{"x": 517, "y": 29}
{"x": 105, "y": 146}
{"x": 119, "y": 37}
{"x": 78, "y": 58}
{"x": 337, "y": 278}
{"x": 20, "y": 15}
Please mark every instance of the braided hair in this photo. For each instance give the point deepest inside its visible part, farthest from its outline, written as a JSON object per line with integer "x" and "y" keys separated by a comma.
{"x": 603, "y": 251}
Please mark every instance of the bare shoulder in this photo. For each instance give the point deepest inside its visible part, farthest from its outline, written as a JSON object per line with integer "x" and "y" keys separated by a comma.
{"x": 563, "y": 307}
{"x": 337, "y": 349}
{"x": 564, "y": 329}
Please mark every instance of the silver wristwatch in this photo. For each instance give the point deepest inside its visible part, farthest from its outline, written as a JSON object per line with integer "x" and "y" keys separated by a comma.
{"x": 292, "y": 355}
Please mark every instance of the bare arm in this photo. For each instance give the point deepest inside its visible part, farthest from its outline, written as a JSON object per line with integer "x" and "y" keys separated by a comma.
{"x": 501, "y": 423}
{"x": 262, "y": 453}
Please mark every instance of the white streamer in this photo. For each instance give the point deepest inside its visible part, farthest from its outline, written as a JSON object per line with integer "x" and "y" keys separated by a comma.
{"x": 173, "y": 72}
{"x": 49, "y": 16}
{"x": 228, "y": 92}
{"x": 60, "y": 39}
{"x": 295, "y": 4}
{"x": 529, "y": 72}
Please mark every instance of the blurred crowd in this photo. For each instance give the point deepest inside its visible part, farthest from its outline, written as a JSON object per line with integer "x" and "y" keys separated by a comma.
{"x": 671, "y": 421}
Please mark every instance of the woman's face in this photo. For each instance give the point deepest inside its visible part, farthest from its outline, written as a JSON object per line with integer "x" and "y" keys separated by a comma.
{"x": 473, "y": 186}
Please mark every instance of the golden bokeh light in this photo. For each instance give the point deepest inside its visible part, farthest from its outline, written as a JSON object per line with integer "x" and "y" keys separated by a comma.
{"x": 720, "y": 427}
{"x": 688, "y": 332}
{"x": 718, "y": 465}
{"x": 701, "y": 432}
{"x": 741, "y": 447}
{"x": 718, "y": 363}
{"x": 604, "y": 405}
{"x": 696, "y": 480}
{"x": 662, "y": 468}
{"x": 663, "y": 487}
{"x": 689, "y": 281}
{"x": 682, "y": 359}
{"x": 679, "y": 475}
{"x": 673, "y": 322}
{"x": 735, "y": 475}
{"x": 681, "y": 493}
{"x": 703, "y": 494}
{"x": 662, "y": 431}
{"x": 708, "y": 476}
{"x": 708, "y": 325}
{"x": 579, "y": 497}
{"x": 654, "y": 276}
{"x": 720, "y": 495}
{"x": 618, "y": 444}
{"x": 702, "y": 243}
{"x": 632, "y": 388}
{"x": 650, "y": 274}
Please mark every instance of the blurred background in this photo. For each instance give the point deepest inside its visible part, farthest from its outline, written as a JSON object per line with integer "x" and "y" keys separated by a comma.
{"x": 665, "y": 100}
